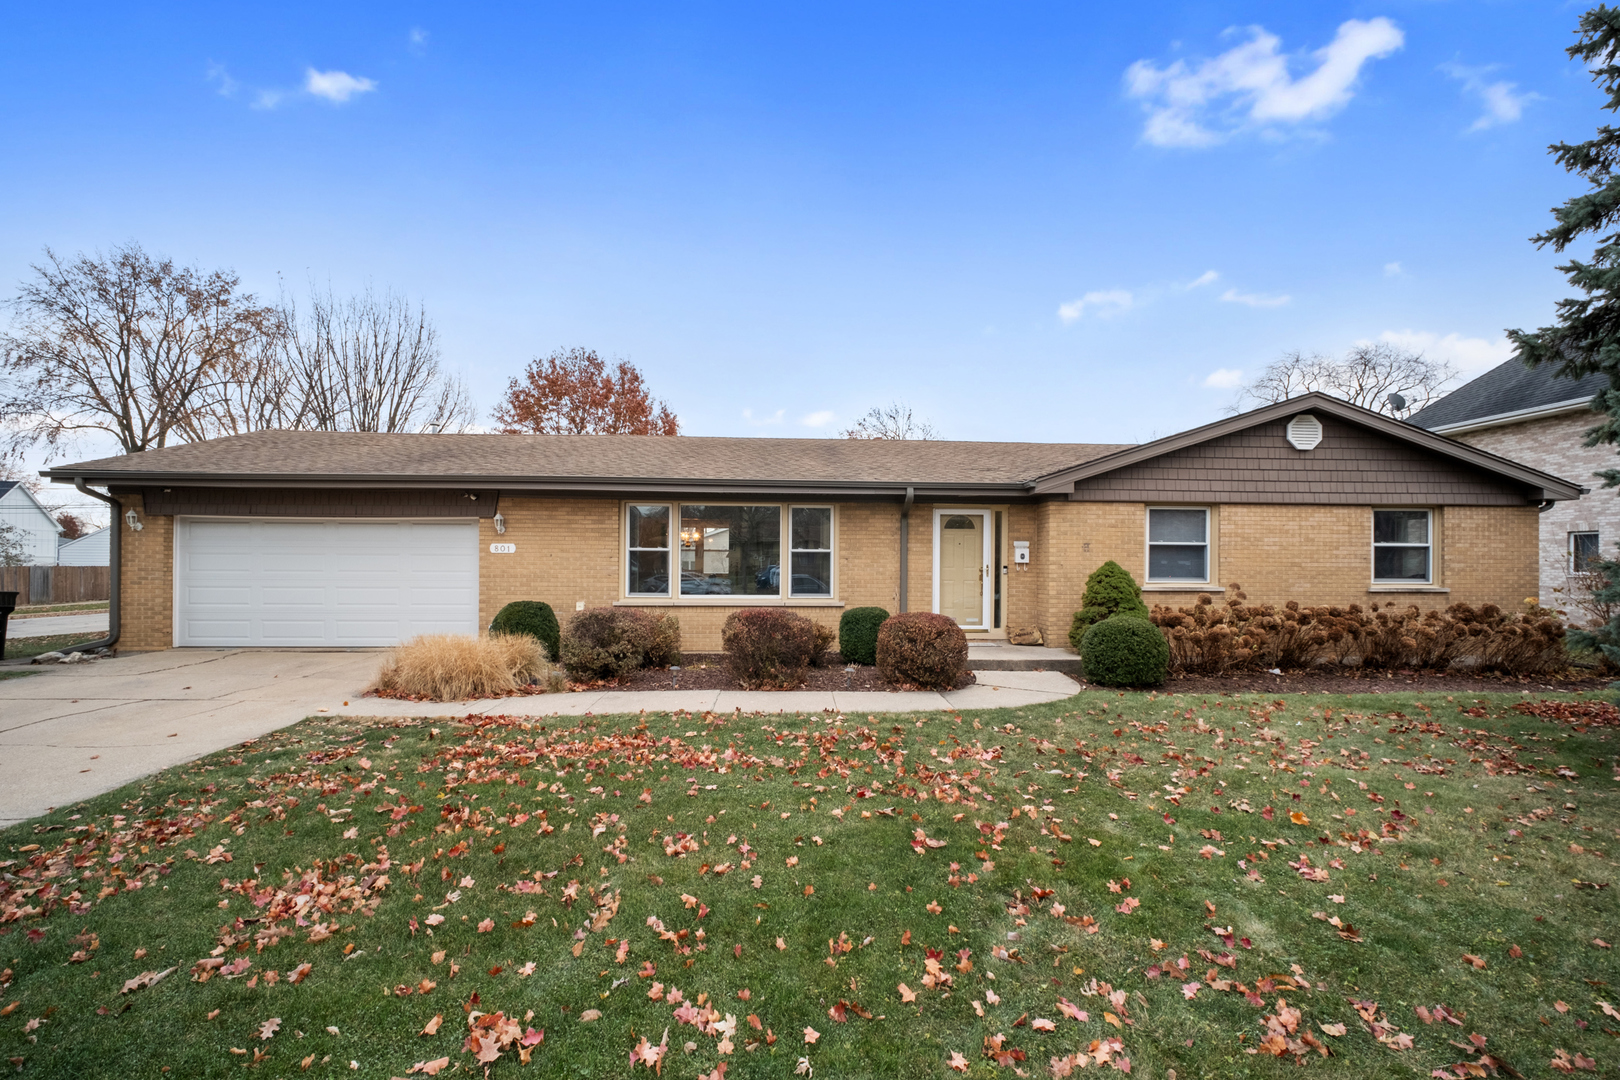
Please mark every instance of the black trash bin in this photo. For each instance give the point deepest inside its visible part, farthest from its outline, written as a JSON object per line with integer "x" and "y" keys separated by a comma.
{"x": 8, "y": 604}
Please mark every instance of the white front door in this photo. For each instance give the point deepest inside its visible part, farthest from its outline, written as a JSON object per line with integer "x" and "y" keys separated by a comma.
{"x": 962, "y": 566}
{"x": 279, "y": 582}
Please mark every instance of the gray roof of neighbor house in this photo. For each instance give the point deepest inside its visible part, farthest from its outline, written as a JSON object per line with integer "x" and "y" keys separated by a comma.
{"x": 357, "y": 458}
{"x": 692, "y": 464}
{"x": 1507, "y": 393}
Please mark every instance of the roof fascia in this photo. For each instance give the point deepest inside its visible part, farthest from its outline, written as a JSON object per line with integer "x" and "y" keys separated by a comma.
{"x": 1550, "y": 487}
{"x": 1518, "y": 416}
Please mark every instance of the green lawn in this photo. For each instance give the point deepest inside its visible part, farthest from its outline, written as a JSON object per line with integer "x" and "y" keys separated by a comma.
{"x": 1198, "y": 877}
{"x": 39, "y": 609}
{"x": 18, "y": 648}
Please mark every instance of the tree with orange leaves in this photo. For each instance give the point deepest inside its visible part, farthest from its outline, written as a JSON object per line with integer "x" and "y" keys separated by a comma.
{"x": 575, "y": 393}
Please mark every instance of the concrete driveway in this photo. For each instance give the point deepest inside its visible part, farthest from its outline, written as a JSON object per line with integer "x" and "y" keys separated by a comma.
{"x": 70, "y": 732}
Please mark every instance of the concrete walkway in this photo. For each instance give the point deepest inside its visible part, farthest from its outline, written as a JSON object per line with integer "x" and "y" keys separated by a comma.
{"x": 71, "y": 732}
{"x": 91, "y": 622}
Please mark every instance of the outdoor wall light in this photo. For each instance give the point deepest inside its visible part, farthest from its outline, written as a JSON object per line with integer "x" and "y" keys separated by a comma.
{"x": 133, "y": 519}
{"x": 500, "y": 523}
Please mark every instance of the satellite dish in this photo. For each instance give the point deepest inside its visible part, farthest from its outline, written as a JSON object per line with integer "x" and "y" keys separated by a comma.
{"x": 1396, "y": 402}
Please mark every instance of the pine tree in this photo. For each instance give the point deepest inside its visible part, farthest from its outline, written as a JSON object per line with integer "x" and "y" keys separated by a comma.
{"x": 1586, "y": 338}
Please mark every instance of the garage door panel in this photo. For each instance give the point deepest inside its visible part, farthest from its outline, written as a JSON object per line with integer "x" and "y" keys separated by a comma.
{"x": 323, "y": 583}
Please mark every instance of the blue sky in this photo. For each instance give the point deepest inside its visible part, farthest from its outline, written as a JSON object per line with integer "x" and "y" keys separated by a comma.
{"x": 1068, "y": 222}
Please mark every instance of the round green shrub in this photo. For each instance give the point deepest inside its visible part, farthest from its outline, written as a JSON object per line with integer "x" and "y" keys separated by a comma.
{"x": 858, "y": 634}
{"x": 1110, "y": 591}
{"x": 534, "y": 618}
{"x": 1125, "y": 650}
{"x": 917, "y": 648}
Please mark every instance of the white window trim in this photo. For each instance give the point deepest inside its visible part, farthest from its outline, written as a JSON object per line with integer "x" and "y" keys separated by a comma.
{"x": 672, "y": 596}
{"x": 1570, "y": 546}
{"x": 1372, "y": 523}
{"x": 787, "y": 546}
{"x": 987, "y": 590}
{"x": 1147, "y": 548}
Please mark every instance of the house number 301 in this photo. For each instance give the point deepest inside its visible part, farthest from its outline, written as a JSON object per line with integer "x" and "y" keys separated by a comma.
{"x": 503, "y": 549}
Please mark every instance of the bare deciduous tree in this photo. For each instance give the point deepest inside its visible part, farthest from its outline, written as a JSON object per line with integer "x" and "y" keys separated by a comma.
{"x": 366, "y": 363}
{"x": 894, "y": 421}
{"x": 123, "y": 343}
{"x": 1366, "y": 375}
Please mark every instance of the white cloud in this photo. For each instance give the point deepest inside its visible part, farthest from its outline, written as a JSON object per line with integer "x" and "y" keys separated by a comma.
{"x": 1224, "y": 378}
{"x": 1208, "y": 277}
{"x": 1249, "y": 86}
{"x": 1504, "y": 102}
{"x": 1393, "y": 269}
{"x": 818, "y": 419}
{"x": 223, "y": 83}
{"x": 419, "y": 38}
{"x": 336, "y": 86}
{"x": 1470, "y": 355}
{"x": 763, "y": 421}
{"x": 1254, "y": 300}
{"x": 1103, "y": 303}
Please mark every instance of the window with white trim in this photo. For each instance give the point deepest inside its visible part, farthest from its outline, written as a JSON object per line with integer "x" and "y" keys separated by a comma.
{"x": 1403, "y": 547}
{"x": 1178, "y": 543}
{"x": 1584, "y": 551}
{"x": 728, "y": 549}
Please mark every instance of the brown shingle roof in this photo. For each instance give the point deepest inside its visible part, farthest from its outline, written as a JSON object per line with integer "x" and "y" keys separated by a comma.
{"x": 294, "y": 456}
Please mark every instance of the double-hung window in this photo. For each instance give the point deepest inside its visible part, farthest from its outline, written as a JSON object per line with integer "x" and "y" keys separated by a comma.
{"x": 1403, "y": 547}
{"x": 1178, "y": 544}
{"x": 728, "y": 549}
{"x": 1583, "y": 551}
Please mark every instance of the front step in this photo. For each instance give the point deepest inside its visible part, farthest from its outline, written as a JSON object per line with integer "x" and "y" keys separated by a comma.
{"x": 1003, "y": 657}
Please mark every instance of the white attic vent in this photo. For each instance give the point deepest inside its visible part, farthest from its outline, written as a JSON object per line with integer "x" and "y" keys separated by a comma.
{"x": 1305, "y": 432}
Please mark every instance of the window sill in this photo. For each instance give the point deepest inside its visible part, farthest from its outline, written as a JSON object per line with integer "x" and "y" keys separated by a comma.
{"x": 1191, "y": 586}
{"x": 1407, "y": 588}
{"x": 727, "y": 601}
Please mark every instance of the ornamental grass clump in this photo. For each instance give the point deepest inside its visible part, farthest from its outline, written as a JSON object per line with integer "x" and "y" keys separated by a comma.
{"x": 922, "y": 650}
{"x": 771, "y": 649}
{"x": 1110, "y": 591}
{"x": 858, "y": 634}
{"x": 455, "y": 667}
{"x": 609, "y": 643}
{"x": 1126, "y": 650}
{"x": 532, "y": 617}
{"x": 1209, "y": 638}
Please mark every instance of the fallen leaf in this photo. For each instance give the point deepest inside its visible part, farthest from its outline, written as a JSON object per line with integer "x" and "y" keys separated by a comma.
{"x": 1336, "y": 1030}
{"x": 432, "y": 1027}
{"x": 590, "y": 1014}
{"x": 907, "y": 993}
{"x": 430, "y": 1068}
{"x": 958, "y": 1062}
{"x": 1298, "y": 818}
{"x": 139, "y": 982}
{"x": 269, "y": 1027}
{"x": 811, "y": 1035}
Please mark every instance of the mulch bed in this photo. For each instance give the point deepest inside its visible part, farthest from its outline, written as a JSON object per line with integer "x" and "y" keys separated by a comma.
{"x": 1354, "y": 681}
{"x": 707, "y": 671}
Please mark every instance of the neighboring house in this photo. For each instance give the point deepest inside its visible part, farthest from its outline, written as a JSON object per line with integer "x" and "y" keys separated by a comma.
{"x": 343, "y": 539}
{"x": 39, "y": 529}
{"x": 91, "y": 549}
{"x": 1534, "y": 416}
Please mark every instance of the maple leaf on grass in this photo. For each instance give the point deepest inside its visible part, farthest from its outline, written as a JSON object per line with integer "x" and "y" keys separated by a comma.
{"x": 143, "y": 980}
{"x": 430, "y": 1068}
{"x": 811, "y": 1035}
{"x": 432, "y": 1027}
{"x": 907, "y": 994}
{"x": 958, "y": 1062}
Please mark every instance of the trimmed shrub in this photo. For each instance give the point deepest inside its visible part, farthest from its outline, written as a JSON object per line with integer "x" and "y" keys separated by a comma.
{"x": 858, "y": 634}
{"x": 531, "y": 617}
{"x": 608, "y": 642}
{"x": 1110, "y": 591}
{"x": 825, "y": 637}
{"x": 769, "y": 648}
{"x": 452, "y": 667}
{"x": 917, "y": 648}
{"x": 1125, "y": 650}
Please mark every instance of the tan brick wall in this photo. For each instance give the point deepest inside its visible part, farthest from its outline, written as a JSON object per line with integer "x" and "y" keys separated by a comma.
{"x": 1555, "y": 445}
{"x": 1313, "y": 554}
{"x": 146, "y": 592}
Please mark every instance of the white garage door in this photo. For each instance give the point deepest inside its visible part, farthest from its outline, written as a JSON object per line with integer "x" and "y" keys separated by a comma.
{"x": 249, "y": 581}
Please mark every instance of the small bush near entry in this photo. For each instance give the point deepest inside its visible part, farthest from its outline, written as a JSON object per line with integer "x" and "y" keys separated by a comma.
{"x": 769, "y": 649}
{"x": 534, "y": 618}
{"x": 858, "y": 634}
{"x": 826, "y": 636}
{"x": 1125, "y": 650}
{"x": 452, "y": 667}
{"x": 606, "y": 643}
{"x": 917, "y": 648}
{"x": 1110, "y": 591}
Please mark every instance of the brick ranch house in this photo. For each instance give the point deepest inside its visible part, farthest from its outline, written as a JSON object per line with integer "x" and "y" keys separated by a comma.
{"x": 322, "y": 539}
{"x": 1534, "y": 416}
